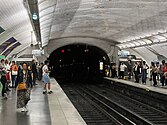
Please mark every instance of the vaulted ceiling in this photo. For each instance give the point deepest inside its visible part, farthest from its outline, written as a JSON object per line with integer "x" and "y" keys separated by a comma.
{"x": 131, "y": 23}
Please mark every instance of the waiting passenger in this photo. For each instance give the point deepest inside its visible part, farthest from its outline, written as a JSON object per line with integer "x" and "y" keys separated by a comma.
{"x": 161, "y": 71}
{"x": 14, "y": 73}
{"x": 144, "y": 72}
{"x": 40, "y": 71}
{"x": 136, "y": 70}
{"x": 3, "y": 79}
{"x": 154, "y": 71}
{"x": 34, "y": 71}
{"x": 24, "y": 86}
{"x": 113, "y": 71}
{"x": 165, "y": 73}
{"x": 122, "y": 70}
{"x": 20, "y": 67}
{"x": 7, "y": 66}
{"x": 30, "y": 72}
{"x": 130, "y": 69}
{"x": 46, "y": 78}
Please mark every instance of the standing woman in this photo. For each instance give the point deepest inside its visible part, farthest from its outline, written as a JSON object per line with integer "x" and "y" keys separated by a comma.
{"x": 24, "y": 87}
{"x": 14, "y": 73}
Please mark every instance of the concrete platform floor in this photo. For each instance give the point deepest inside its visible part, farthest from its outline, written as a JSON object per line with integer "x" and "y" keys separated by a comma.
{"x": 53, "y": 109}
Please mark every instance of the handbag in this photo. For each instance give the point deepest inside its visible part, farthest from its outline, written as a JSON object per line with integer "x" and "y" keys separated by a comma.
{"x": 14, "y": 73}
{"x": 22, "y": 86}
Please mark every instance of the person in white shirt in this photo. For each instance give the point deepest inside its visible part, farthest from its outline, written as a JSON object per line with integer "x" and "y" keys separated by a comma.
{"x": 46, "y": 78}
{"x": 144, "y": 72}
{"x": 122, "y": 70}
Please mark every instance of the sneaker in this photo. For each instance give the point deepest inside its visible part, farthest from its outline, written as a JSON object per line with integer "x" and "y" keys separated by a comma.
{"x": 4, "y": 98}
{"x": 23, "y": 109}
{"x": 50, "y": 92}
{"x": 44, "y": 92}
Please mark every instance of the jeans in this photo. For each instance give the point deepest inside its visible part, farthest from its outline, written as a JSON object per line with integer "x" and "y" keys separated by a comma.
{"x": 13, "y": 80}
{"x": 34, "y": 78}
{"x": 144, "y": 75}
{"x": 129, "y": 74}
{"x": 136, "y": 76}
{"x": 122, "y": 74}
{"x": 4, "y": 85}
{"x": 154, "y": 78}
{"x": 162, "y": 78}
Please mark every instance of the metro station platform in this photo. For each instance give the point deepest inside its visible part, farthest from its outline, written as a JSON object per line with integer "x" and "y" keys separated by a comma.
{"x": 147, "y": 94}
{"x": 53, "y": 109}
{"x": 147, "y": 86}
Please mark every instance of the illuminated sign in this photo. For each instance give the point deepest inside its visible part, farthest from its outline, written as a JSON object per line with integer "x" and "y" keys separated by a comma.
{"x": 101, "y": 65}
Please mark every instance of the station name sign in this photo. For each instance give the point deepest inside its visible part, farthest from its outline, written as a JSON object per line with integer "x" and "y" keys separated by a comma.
{"x": 37, "y": 52}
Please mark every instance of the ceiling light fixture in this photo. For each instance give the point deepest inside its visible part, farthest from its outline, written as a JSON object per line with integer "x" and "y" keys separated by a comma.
{"x": 35, "y": 16}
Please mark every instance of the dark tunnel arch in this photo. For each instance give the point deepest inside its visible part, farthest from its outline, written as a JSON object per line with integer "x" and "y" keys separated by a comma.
{"x": 78, "y": 62}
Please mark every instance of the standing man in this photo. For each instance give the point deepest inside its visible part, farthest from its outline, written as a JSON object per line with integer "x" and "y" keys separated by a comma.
{"x": 129, "y": 67}
{"x": 136, "y": 69}
{"x": 34, "y": 71}
{"x": 144, "y": 72}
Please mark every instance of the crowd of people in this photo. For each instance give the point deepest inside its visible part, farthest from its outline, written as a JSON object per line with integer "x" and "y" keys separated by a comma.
{"x": 22, "y": 78}
{"x": 139, "y": 71}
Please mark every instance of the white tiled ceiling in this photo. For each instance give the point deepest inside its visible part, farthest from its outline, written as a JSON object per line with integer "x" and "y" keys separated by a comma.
{"x": 113, "y": 20}
{"x": 15, "y": 20}
{"x": 119, "y": 20}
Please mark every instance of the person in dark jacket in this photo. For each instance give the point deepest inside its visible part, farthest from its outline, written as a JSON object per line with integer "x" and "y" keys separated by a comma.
{"x": 136, "y": 69}
{"x": 34, "y": 71}
{"x": 154, "y": 71}
{"x": 130, "y": 69}
{"x": 3, "y": 79}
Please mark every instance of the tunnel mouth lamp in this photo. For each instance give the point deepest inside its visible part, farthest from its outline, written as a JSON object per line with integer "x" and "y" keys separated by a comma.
{"x": 62, "y": 50}
{"x": 35, "y": 16}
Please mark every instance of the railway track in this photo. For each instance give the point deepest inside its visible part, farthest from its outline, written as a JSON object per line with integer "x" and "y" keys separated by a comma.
{"x": 90, "y": 111}
{"x": 149, "y": 113}
{"x": 99, "y": 105}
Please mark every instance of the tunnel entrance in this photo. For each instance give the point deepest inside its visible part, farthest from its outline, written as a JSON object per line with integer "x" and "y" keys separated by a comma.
{"x": 78, "y": 62}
